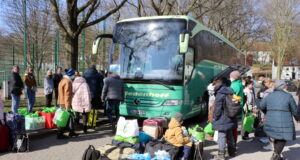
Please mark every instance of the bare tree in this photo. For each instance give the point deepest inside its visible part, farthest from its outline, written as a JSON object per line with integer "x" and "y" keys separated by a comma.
{"x": 38, "y": 30}
{"x": 280, "y": 16}
{"x": 73, "y": 26}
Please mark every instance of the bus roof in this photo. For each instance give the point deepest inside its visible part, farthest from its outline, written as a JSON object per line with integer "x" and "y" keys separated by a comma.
{"x": 197, "y": 28}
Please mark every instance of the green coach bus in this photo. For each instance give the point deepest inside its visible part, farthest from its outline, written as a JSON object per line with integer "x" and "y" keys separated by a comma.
{"x": 166, "y": 63}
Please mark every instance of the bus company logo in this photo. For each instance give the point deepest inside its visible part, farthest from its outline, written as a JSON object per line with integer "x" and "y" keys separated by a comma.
{"x": 140, "y": 94}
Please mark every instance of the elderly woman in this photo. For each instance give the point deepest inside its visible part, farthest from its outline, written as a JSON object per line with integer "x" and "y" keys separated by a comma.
{"x": 48, "y": 88}
{"x": 280, "y": 107}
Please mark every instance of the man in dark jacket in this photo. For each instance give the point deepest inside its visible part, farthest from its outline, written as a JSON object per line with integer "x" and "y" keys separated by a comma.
{"x": 280, "y": 107}
{"x": 95, "y": 82}
{"x": 222, "y": 123}
{"x": 57, "y": 77}
{"x": 16, "y": 89}
{"x": 113, "y": 93}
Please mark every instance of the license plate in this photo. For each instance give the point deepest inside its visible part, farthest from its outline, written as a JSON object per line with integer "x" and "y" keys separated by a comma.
{"x": 137, "y": 112}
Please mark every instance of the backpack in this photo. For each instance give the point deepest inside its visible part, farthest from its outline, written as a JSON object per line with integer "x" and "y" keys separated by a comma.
{"x": 232, "y": 107}
{"x": 91, "y": 154}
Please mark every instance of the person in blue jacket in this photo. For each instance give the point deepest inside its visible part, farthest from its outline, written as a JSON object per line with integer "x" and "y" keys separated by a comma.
{"x": 280, "y": 108}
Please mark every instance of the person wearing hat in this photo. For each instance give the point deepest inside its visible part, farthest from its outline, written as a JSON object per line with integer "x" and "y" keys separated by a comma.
{"x": 174, "y": 135}
{"x": 280, "y": 108}
{"x": 48, "y": 88}
{"x": 65, "y": 94}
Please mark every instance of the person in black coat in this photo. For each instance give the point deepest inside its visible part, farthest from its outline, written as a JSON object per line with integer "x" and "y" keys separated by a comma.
{"x": 222, "y": 123}
{"x": 95, "y": 81}
{"x": 57, "y": 77}
{"x": 16, "y": 89}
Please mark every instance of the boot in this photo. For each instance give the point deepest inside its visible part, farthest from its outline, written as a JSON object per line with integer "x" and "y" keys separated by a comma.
{"x": 276, "y": 156}
{"x": 231, "y": 151}
{"x": 220, "y": 155}
{"x": 73, "y": 134}
{"x": 85, "y": 129}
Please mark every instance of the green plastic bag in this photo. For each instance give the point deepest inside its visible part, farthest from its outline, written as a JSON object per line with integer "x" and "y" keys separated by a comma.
{"x": 208, "y": 129}
{"x": 32, "y": 115}
{"x": 23, "y": 111}
{"x": 197, "y": 132}
{"x": 248, "y": 123}
{"x": 49, "y": 109}
{"x": 62, "y": 119}
{"x": 132, "y": 140}
{"x": 34, "y": 123}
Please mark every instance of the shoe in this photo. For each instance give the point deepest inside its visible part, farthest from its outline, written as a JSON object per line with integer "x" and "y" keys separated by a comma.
{"x": 268, "y": 147}
{"x": 85, "y": 129}
{"x": 220, "y": 155}
{"x": 231, "y": 151}
{"x": 275, "y": 156}
{"x": 61, "y": 136}
{"x": 73, "y": 134}
{"x": 247, "y": 139}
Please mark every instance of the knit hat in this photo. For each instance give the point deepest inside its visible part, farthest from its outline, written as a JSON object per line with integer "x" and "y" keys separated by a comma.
{"x": 235, "y": 75}
{"x": 178, "y": 117}
{"x": 280, "y": 84}
{"x": 70, "y": 72}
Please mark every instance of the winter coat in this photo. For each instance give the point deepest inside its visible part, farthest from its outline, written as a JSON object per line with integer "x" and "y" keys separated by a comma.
{"x": 56, "y": 79}
{"x": 16, "y": 84}
{"x": 1, "y": 109}
{"x": 113, "y": 88}
{"x": 48, "y": 85}
{"x": 95, "y": 82}
{"x": 280, "y": 107}
{"x": 65, "y": 92}
{"x": 221, "y": 122}
{"x": 238, "y": 89}
{"x": 249, "y": 96}
{"x": 174, "y": 134}
{"x": 81, "y": 96}
{"x": 211, "y": 93}
{"x": 29, "y": 80}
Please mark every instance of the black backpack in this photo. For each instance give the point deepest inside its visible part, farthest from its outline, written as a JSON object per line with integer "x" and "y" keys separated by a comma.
{"x": 232, "y": 107}
{"x": 91, "y": 154}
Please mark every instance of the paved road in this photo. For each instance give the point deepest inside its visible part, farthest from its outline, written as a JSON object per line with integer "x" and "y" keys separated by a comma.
{"x": 45, "y": 146}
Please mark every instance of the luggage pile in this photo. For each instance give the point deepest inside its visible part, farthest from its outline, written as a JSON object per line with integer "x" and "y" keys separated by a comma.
{"x": 132, "y": 142}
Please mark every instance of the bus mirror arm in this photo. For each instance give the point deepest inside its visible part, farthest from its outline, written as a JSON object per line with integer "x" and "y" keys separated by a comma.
{"x": 97, "y": 41}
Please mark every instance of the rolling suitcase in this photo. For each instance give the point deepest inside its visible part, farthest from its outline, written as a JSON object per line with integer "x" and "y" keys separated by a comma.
{"x": 16, "y": 125}
{"x": 153, "y": 127}
{"x": 4, "y": 138}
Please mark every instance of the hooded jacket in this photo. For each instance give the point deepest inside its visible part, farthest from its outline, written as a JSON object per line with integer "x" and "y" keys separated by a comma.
{"x": 113, "y": 88}
{"x": 29, "y": 80}
{"x": 174, "y": 134}
{"x": 81, "y": 95}
{"x": 65, "y": 92}
{"x": 221, "y": 122}
{"x": 95, "y": 82}
{"x": 280, "y": 107}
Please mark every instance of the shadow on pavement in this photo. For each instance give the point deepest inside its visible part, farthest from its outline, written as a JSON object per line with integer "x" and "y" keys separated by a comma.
{"x": 256, "y": 146}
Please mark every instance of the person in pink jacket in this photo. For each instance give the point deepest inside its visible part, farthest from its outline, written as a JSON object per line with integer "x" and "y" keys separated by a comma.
{"x": 81, "y": 102}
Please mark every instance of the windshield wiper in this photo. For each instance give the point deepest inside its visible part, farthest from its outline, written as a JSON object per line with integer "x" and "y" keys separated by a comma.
{"x": 164, "y": 84}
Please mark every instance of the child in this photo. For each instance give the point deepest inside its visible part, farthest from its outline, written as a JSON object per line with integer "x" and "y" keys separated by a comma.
{"x": 174, "y": 135}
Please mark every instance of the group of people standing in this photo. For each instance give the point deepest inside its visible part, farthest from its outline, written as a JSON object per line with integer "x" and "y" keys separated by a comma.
{"x": 81, "y": 93}
{"x": 274, "y": 107}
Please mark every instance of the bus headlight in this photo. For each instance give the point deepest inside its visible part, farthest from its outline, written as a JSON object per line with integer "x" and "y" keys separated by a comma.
{"x": 172, "y": 102}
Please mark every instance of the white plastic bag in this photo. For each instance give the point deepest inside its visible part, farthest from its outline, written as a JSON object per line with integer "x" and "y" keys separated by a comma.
{"x": 216, "y": 134}
{"x": 127, "y": 128}
{"x": 55, "y": 115}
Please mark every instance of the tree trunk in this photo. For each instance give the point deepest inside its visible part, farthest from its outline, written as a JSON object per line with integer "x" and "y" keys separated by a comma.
{"x": 279, "y": 69}
{"x": 71, "y": 46}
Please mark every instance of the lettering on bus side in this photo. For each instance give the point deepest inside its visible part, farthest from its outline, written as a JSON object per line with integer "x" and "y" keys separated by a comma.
{"x": 140, "y": 94}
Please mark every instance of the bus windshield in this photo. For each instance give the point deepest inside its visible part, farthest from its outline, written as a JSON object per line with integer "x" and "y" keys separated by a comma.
{"x": 149, "y": 50}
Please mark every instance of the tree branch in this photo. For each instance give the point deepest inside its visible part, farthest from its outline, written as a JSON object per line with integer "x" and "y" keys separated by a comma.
{"x": 57, "y": 17}
{"x": 83, "y": 7}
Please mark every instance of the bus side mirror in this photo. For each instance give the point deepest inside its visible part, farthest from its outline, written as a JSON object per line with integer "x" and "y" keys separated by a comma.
{"x": 96, "y": 45}
{"x": 184, "y": 42}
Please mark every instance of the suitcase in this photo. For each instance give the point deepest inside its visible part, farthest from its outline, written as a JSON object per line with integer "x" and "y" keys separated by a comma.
{"x": 92, "y": 118}
{"x": 154, "y": 123}
{"x": 48, "y": 120}
{"x": 164, "y": 120}
{"x": 4, "y": 138}
{"x": 16, "y": 125}
{"x": 152, "y": 131}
